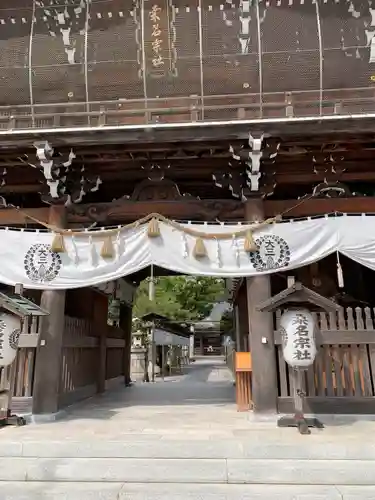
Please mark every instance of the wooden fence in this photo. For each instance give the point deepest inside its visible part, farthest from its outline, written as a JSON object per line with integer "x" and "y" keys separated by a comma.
{"x": 343, "y": 375}
{"x": 79, "y": 362}
{"x": 81, "y": 359}
{"x": 21, "y": 372}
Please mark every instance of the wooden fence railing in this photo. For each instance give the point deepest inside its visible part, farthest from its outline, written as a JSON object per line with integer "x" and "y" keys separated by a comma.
{"x": 343, "y": 375}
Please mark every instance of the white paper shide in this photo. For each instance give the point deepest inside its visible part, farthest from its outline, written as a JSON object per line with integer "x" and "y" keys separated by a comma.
{"x": 297, "y": 329}
{"x": 10, "y": 331}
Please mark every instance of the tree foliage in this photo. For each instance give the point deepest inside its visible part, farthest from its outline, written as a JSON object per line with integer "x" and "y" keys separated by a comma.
{"x": 226, "y": 322}
{"x": 179, "y": 298}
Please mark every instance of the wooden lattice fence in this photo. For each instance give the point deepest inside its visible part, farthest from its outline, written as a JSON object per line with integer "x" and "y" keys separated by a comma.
{"x": 343, "y": 375}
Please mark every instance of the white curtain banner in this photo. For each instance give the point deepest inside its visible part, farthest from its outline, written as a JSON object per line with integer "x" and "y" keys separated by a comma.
{"x": 26, "y": 257}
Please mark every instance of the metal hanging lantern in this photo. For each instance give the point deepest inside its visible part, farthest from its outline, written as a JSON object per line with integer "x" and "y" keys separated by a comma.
{"x": 298, "y": 333}
{"x": 10, "y": 331}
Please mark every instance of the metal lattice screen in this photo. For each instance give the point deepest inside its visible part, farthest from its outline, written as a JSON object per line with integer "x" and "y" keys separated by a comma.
{"x": 215, "y": 57}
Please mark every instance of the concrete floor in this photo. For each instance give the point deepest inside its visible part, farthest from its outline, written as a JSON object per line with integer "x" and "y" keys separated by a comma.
{"x": 198, "y": 403}
{"x": 182, "y": 439}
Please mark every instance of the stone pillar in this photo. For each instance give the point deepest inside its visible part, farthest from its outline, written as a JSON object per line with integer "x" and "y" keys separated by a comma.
{"x": 261, "y": 335}
{"x": 49, "y": 354}
{"x": 201, "y": 345}
{"x": 191, "y": 346}
{"x": 138, "y": 363}
{"x": 126, "y": 326}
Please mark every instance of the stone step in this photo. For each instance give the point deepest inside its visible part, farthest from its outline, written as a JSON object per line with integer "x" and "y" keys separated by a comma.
{"x": 189, "y": 471}
{"x": 293, "y": 447}
{"x": 121, "y": 491}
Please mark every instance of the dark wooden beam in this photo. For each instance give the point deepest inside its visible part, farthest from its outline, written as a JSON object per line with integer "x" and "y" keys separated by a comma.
{"x": 317, "y": 206}
{"x": 151, "y": 134}
{"x": 299, "y": 177}
{"x": 127, "y": 211}
{"x": 13, "y": 217}
{"x": 209, "y": 210}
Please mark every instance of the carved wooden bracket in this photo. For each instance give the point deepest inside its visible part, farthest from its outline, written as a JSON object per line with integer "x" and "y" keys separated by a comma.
{"x": 332, "y": 190}
{"x": 164, "y": 189}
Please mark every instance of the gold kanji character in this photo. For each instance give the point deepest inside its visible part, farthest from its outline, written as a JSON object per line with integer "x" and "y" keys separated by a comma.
{"x": 154, "y": 13}
{"x": 157, "y": 62}
{"x": 156, "y": 45}
{"x": 156, "y": 31}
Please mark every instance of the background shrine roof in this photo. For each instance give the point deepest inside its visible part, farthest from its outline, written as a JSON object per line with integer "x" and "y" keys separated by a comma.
{"x": 167, "y": 324}
{"x": 80, "y": 60}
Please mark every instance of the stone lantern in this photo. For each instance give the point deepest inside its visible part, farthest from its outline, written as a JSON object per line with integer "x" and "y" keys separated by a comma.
{"x": 299, "y": 332}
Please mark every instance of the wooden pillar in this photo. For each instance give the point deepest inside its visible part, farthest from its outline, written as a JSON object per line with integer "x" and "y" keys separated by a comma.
{"x": 261, "y": 335}
{"x": 49, "y": 354}
{"x": 126, "y": 313}
{"x": 243, "y": 318}
{"x": 100, "y": 325}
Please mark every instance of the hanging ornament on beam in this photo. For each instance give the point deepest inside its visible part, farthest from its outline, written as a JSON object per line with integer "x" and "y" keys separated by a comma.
{"x": 65, "y": 182}
{"x": 57, "y": 245}
{"x": 340, "y": 274}
{"x": 153, "y": 229}
{"x": 107, "y": 251}
{"x": 3, "y": 177}
{"x": 199, "y": 250}
{"x": 69, "y": 23}
{"x": 251, "y": 154}
{"x": 232, "y": 180}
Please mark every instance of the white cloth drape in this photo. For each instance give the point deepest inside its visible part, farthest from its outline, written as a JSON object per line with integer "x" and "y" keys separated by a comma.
{"x": 26, "y": 257}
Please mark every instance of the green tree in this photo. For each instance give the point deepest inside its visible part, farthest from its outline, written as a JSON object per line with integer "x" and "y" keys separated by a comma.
{"x": 179, "y": 298}
{"x": 226, "y": 322}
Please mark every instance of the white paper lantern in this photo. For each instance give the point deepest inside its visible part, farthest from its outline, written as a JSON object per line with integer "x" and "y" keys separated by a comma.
{"x": 10, "y": 330}
{"x": 297, "y": 328}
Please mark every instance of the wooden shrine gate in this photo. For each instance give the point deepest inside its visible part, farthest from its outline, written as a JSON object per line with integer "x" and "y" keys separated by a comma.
{"x": 343, "y": 376}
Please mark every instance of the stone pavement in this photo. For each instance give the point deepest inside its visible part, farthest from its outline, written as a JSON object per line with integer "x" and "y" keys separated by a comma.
{"x": 182, "y": 439}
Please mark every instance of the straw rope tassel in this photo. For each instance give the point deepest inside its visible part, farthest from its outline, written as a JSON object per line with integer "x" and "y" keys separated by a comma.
{"x": 107, "y": 251}
{"x": 199, "y": 250}
{"x": 153, "y": 229}
{"x": 249, "y": 243}
{"x": 57, "y": 244}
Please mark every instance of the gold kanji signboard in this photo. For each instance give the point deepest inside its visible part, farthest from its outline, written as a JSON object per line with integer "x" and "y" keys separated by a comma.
{"x": 159, "y": 36}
